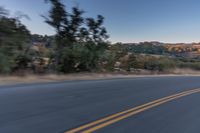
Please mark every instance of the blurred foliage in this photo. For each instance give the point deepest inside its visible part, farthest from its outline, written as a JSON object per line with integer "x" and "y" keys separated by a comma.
{"x": 79, "y": 41}
{"x": 14, "y": 39}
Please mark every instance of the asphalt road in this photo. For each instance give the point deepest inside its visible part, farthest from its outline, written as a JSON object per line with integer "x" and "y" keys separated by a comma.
{"x": 61, "y": 107}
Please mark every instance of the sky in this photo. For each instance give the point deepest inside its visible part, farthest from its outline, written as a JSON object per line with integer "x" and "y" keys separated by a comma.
{"x": 127, "y": 21}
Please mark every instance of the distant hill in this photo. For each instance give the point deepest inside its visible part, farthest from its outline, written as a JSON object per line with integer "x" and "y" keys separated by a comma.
{"x": 187, "y": 50}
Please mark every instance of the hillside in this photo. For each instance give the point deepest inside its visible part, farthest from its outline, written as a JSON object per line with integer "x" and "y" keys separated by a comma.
{"x": 191, "y": 50}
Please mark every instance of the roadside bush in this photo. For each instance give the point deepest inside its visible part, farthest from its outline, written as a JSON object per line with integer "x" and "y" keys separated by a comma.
{"x": 79, "y": 58}
{"x": 160, "y": 64}
{"x": 5, "y": 64}
{"x": 191, "y": 65}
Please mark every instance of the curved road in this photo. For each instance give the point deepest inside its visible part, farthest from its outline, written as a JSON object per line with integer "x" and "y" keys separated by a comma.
{"x": 65, "y": 106}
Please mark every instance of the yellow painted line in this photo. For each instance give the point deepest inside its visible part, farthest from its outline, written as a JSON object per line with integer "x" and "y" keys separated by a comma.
{"x": 93, "y": 126}
{"x": 132, "y": 113}
{"x": 121, "y": 113}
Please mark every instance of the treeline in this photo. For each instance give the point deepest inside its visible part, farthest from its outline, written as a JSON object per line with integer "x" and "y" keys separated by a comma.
{"x": 149, "y": 56}
{"x": 79, "y": 45}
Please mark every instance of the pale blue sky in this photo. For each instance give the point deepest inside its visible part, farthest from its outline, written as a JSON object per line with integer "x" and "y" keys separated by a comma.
{"x": 126, "y": 20}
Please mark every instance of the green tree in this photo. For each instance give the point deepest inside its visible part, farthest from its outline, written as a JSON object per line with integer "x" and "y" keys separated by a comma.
{"x": 80, "y": 41}
{"x": 14, "y": 38}
{"x": 97, "y": 31}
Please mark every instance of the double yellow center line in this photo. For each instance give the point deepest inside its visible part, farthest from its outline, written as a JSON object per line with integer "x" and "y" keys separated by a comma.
{"x": 101, "y": 123}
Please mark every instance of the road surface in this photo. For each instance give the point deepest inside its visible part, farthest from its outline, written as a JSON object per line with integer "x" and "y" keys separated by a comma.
{"x": 135, "y": 105}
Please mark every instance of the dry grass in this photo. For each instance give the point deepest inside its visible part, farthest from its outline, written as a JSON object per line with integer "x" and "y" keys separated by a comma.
{"x": 185, "y": 72}
{"x": 5, "y": 80}
{"x": 53, "y": 78}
